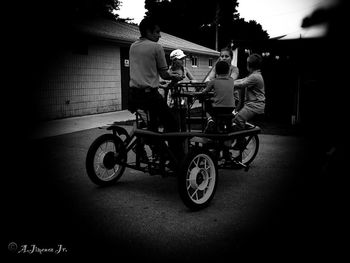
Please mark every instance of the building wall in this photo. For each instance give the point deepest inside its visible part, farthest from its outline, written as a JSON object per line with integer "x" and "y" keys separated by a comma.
{"x": 202, "y": 68}
{"x": 81, "y": 82}
{"x": 87, "y": 80}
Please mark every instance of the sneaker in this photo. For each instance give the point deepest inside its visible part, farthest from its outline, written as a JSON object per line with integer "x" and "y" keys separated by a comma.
{"x": 210, "y": 126}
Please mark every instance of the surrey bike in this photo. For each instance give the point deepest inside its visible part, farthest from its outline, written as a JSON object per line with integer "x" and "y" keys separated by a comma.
{"x": 148, "y": 151}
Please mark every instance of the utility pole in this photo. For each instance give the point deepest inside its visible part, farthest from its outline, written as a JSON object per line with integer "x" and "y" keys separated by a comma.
{"x": 217, "y": 26}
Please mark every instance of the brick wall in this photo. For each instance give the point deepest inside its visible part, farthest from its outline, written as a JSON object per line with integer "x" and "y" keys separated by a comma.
{"x": 81, "y": 83}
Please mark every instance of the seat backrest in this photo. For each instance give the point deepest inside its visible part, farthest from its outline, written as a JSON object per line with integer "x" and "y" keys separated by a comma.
{"x": 223, "y": 121}
{"x": 224, "y": 116}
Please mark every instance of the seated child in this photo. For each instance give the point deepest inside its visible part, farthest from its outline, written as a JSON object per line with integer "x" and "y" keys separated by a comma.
{"x": 177, "y": 68}
{"x": 223, "y": 101}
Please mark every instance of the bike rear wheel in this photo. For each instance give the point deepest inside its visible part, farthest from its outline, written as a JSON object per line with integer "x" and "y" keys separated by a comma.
{"x": 104, "y": 160}
{"x": 249, "y": 152}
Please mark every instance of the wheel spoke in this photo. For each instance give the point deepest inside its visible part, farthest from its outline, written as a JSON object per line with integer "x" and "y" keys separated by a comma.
{"x": 195, "y": 193}
{"x": 103, "y": 173}
{"x": 106, "y": 173}
{"x": 100, "y": 148}
{"x": 98, "y": 167}
{"x": 196, "y": 163}
{"x": 205, "y": 164}
{"x": 112, "y": 173}
{"x": 106, "y": 144}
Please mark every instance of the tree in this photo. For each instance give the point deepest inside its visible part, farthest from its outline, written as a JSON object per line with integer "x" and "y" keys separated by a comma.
{"x": 103, "y": 8}
{"x": 201, "y": 21}
{"x": 64, "y": 11}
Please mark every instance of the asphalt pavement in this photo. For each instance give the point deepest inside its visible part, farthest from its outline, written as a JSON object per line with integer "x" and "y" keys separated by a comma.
{"x": 277, "y": 211}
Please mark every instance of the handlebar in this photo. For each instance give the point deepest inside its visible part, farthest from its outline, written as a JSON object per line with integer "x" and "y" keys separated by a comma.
{"x": 189, "y": 84}
{"x": 194, "y": 94}
{"x": 182, "y": 90}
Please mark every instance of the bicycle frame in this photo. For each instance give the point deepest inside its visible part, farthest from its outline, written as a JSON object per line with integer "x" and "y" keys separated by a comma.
{"x": 189, "y": 138}
{"x": 196, "y": 168}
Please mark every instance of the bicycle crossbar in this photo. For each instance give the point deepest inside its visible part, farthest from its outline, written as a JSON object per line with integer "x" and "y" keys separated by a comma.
{"x": 166, "y": 135}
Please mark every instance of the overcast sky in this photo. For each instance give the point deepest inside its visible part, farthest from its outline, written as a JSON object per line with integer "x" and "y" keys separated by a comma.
{"x": 277, "y": 17}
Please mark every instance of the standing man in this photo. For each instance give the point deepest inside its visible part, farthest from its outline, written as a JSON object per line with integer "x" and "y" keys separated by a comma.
{"x": 147, "y": 63}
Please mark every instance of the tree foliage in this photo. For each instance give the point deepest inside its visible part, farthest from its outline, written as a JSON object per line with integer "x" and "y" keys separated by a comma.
{"x": 94, "y": 8}
{"x": 64, "y": 11}
{"x": 198, "y": 20}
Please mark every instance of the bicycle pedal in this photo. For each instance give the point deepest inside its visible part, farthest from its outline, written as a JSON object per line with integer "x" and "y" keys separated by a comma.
{"x": 241, "y": 165}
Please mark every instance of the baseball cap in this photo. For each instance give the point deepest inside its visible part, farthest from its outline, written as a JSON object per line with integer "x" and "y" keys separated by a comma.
{"x": 177, "y": 54}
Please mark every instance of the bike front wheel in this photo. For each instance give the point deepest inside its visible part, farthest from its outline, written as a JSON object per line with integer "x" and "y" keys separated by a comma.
{"x": 198, "y": 180}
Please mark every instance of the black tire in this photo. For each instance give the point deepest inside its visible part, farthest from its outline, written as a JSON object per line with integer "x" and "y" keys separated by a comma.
{"x": 250, "y": 151}
{"x": 197, "y": 180}
{"x": 105, "y": 157}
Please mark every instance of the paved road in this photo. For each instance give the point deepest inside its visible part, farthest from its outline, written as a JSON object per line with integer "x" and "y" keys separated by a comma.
{"x": 265, "y": 213}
